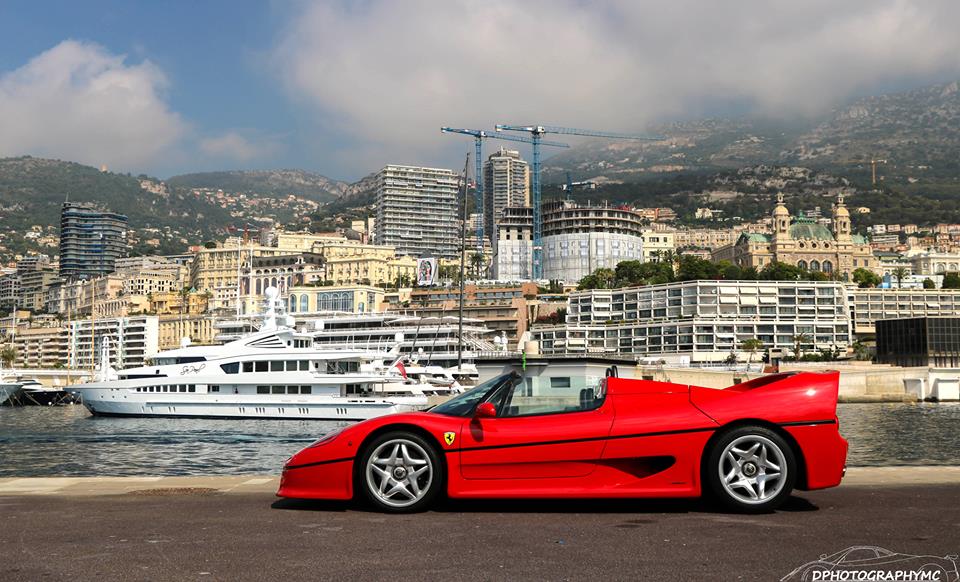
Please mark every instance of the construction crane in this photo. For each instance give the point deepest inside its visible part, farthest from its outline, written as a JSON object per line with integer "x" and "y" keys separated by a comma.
{"x": 568, "y": 187}
{"x": 479, "y": 135}
{"x": 536, "y": 132}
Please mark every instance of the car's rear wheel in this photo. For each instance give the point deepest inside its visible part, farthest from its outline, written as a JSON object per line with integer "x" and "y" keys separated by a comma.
{"x": 750, "y": 469}
{"x": 400, "y": 472}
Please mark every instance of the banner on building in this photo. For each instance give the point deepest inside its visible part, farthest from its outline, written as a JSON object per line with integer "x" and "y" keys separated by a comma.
{"x": 426, "y": 271}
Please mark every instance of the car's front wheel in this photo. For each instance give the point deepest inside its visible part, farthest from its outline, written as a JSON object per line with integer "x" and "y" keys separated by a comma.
{"x": 750, "y": 469}
{"x": 400, "y": 472}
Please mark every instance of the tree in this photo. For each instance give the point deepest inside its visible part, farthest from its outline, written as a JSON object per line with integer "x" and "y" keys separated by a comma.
{"x": 929, "y": 284}
{"x": 798, "y": 341}
{"x": 8, "y": 355}
{"x": 900, "y": 273}
{"x": 861, "y": 351}
{"x": 477, "y": 262}
{"x": 600, "y": 279}
{"x": 751, "y": 346}
{"x": 951, "y": 281}
{"x": 777, "y": 271}
{"x": 865, "y": 278}
{"x": 692, "y": 268}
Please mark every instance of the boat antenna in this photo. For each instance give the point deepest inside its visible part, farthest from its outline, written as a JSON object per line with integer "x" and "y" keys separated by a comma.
{"x": 463, "y": 255}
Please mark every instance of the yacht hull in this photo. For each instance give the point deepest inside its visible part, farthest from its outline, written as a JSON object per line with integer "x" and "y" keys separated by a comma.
{"x": 8, "y": 391}
{"x": 227, "y": 407}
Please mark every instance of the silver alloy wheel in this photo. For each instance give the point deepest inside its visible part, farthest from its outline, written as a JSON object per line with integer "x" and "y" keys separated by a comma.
{"x": 752, "y": 469}
{"x": 399, "y": 472}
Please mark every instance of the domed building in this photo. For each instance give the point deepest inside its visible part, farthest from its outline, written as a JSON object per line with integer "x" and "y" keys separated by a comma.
{"x": 804, "y": 243}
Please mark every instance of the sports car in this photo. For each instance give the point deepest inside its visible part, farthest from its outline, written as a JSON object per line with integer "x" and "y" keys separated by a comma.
{"x": 748, "y": 446}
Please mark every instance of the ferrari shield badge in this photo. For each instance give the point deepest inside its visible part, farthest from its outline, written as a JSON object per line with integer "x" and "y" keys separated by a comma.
{"x": 449, "y": 437}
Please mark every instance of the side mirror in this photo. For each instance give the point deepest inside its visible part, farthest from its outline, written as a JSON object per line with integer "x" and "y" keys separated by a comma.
{"x": 485, "y": 410}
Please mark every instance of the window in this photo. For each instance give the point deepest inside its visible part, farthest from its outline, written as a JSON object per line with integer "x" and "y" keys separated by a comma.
{"x": 558, "y": 395}
{"x": 276, "y": 366}
{"x": 190, "y": 388}
{"x": 260, "y": 366}
{"x": 306, "y": 389}
{"x": 276, "y": 390}
{"x": 248, "y": 366}
{"x": 304, "y": 365}
{"x": 263, "y": 390}
{"x": 291, "y": 365}
{"x": 293, "y": 389}
{"x": 214, "y": 389}
{"x": 231, "y": 368}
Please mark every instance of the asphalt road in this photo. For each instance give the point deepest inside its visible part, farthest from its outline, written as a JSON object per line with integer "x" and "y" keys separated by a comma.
{"x": 194, "y": 536}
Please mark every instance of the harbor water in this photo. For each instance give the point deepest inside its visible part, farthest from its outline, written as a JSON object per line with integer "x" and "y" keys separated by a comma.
{"x": 67, "y": 441}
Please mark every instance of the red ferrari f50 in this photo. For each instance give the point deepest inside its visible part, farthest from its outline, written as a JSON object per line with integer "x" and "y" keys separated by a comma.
{"x": 748, "y": 445}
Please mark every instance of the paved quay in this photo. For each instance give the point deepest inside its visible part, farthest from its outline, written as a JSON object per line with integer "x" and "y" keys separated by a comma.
{"x": 233, "y": 528}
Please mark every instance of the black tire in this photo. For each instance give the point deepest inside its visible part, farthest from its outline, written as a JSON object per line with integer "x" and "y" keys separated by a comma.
{"x": 403, "y": 445}
{"x": 736, "y": 496}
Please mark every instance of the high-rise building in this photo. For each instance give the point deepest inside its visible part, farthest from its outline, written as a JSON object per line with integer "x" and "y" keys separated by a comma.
{"x": 506, "y": 182}
{"x": 90, "y": 241}
{"x": 417, "y": 210}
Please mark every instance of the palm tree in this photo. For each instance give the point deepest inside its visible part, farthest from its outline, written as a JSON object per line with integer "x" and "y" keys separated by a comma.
{"x": 8, "y": 355}
{"x": 900, "y": 273}
{"x": 798, "y": 341}
{"x": 477, "y": 261}
{"x": 751, "y": 346}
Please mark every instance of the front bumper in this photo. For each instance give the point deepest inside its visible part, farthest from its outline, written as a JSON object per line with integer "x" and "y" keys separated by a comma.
{"x": 326, "y": 480}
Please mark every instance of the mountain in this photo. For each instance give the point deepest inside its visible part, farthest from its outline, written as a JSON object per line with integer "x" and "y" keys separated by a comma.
{"x": 914, "y": 133}
{"x": 275, "y": 183}
{"x": 32, "y": 191}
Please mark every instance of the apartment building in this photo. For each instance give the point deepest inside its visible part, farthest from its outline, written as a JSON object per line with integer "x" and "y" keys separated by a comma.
{"x": 172, "y": 329}
{"x": 513, "y": 248}
{"x": 871, "y": 305}
{"x": 132, "y": 341}
{"x": 91, "y": 241}
{"x": 701, "y": 321}
{"x": 656, "y": 243}
{"x": 506, "y": 182}
{"x": 417, "y": 210}
{"x": 41, "y": 347}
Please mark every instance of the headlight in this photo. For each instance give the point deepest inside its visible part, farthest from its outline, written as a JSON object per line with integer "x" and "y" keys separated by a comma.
{"x": 327, "y": 437}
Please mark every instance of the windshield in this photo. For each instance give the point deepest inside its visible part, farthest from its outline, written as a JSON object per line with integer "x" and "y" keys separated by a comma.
{"x": 464, "y": 404}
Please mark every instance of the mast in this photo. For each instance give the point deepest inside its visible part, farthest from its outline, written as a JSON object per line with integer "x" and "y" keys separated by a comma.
{"x": 93, "y": 323}
{"x": 463, "y": 255}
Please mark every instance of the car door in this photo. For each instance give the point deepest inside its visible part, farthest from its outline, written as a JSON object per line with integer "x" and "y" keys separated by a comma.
{"x": 545, "y": 428}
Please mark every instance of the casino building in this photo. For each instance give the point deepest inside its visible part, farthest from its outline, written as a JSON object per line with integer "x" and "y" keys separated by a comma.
{"x": 805, "y": 243}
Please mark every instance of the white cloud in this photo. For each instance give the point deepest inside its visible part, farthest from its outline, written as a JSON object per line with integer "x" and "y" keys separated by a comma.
{"x": 79, "y": 102}
{"x": 234, "y": 146}
{"x": 389, "y": 74}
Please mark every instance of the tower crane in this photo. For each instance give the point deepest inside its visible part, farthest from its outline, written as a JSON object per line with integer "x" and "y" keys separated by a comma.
{"x": 569, "y": 186}
{"x": 536, "y": 132}
{"x": 479, "y": 135}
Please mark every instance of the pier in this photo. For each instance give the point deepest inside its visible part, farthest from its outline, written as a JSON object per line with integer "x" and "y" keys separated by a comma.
{"x": 233, "y": 528}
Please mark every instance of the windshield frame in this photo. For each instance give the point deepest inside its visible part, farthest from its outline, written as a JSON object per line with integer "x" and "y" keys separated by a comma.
{"x": 486, "y": 390}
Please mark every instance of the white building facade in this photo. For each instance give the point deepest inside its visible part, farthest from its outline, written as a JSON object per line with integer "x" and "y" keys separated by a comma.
{"x": 417, "y": 210}
{"x": 702, "y": 321}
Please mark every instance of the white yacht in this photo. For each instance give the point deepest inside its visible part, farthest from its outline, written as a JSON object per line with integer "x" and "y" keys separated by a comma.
{"x": 276, "y": 372}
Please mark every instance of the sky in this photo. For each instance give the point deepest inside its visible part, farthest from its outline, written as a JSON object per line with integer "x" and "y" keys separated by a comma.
{"x": 342, "y": 88}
